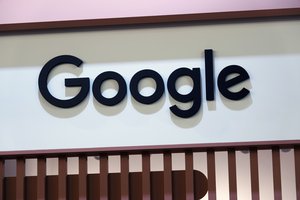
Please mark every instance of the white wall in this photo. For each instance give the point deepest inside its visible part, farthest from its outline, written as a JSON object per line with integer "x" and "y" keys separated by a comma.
{"x": 269, "y": 51}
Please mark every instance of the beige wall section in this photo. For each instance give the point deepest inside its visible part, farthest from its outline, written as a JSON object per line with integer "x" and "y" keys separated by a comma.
{"x": 153, "y": 43}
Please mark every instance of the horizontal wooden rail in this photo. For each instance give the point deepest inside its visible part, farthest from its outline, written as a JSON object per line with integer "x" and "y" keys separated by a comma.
{"x": 159, "y": 19}
{"x": 149, "y": 149}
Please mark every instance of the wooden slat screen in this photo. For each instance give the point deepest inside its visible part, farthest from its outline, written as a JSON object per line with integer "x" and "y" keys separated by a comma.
{"x": 187, "y": 184}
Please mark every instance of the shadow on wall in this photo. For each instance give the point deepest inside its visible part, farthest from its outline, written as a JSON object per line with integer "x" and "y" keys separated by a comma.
{"x": 238, "y": 105}
{"x": 62, "y": 112}
{"x": 186, "y": 122}
{"x": 69, "y": 93}
{"x": 145, "y": 109}
{"x": 112, "y": 87}
{"x": 241, "y": 104}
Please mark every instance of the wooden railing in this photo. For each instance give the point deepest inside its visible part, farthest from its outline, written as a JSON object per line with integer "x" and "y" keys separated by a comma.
{"x": 168, "y": 184}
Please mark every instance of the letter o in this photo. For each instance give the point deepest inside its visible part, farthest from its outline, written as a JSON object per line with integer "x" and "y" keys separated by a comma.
{"x": 107, "y": 76}
{"x": 147, "y": 73}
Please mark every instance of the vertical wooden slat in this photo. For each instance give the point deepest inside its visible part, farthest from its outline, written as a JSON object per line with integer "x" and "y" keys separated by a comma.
{"x": 297, "y": 169}
{"x": 254, "y": 174}
{"x": 189, "y": 176}
{"x": 1, "y": 179}
{"x": 52, "y": 187}
{"x": 146, "y": 177}
{"x": 72, "y": 187}
{"x": 211, "y": 175}
{"x": 41, "y": 178}
{"x": 276, "y": 173}
{"x": 82, "y": 178}
{"x": 20, "y": 179}
{"x": 62, "y": 178}
{"x": 103, "y": 177}
{"x": 167, "y": 176}
{"x": 124, "y": 177}
{"x": 136, "y": 186}
{"x": 30, "y": 187}
{"x": 232, "y": 174}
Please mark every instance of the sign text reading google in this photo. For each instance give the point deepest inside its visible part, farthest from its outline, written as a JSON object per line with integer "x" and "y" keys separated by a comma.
{"x": 224, "y": 82}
